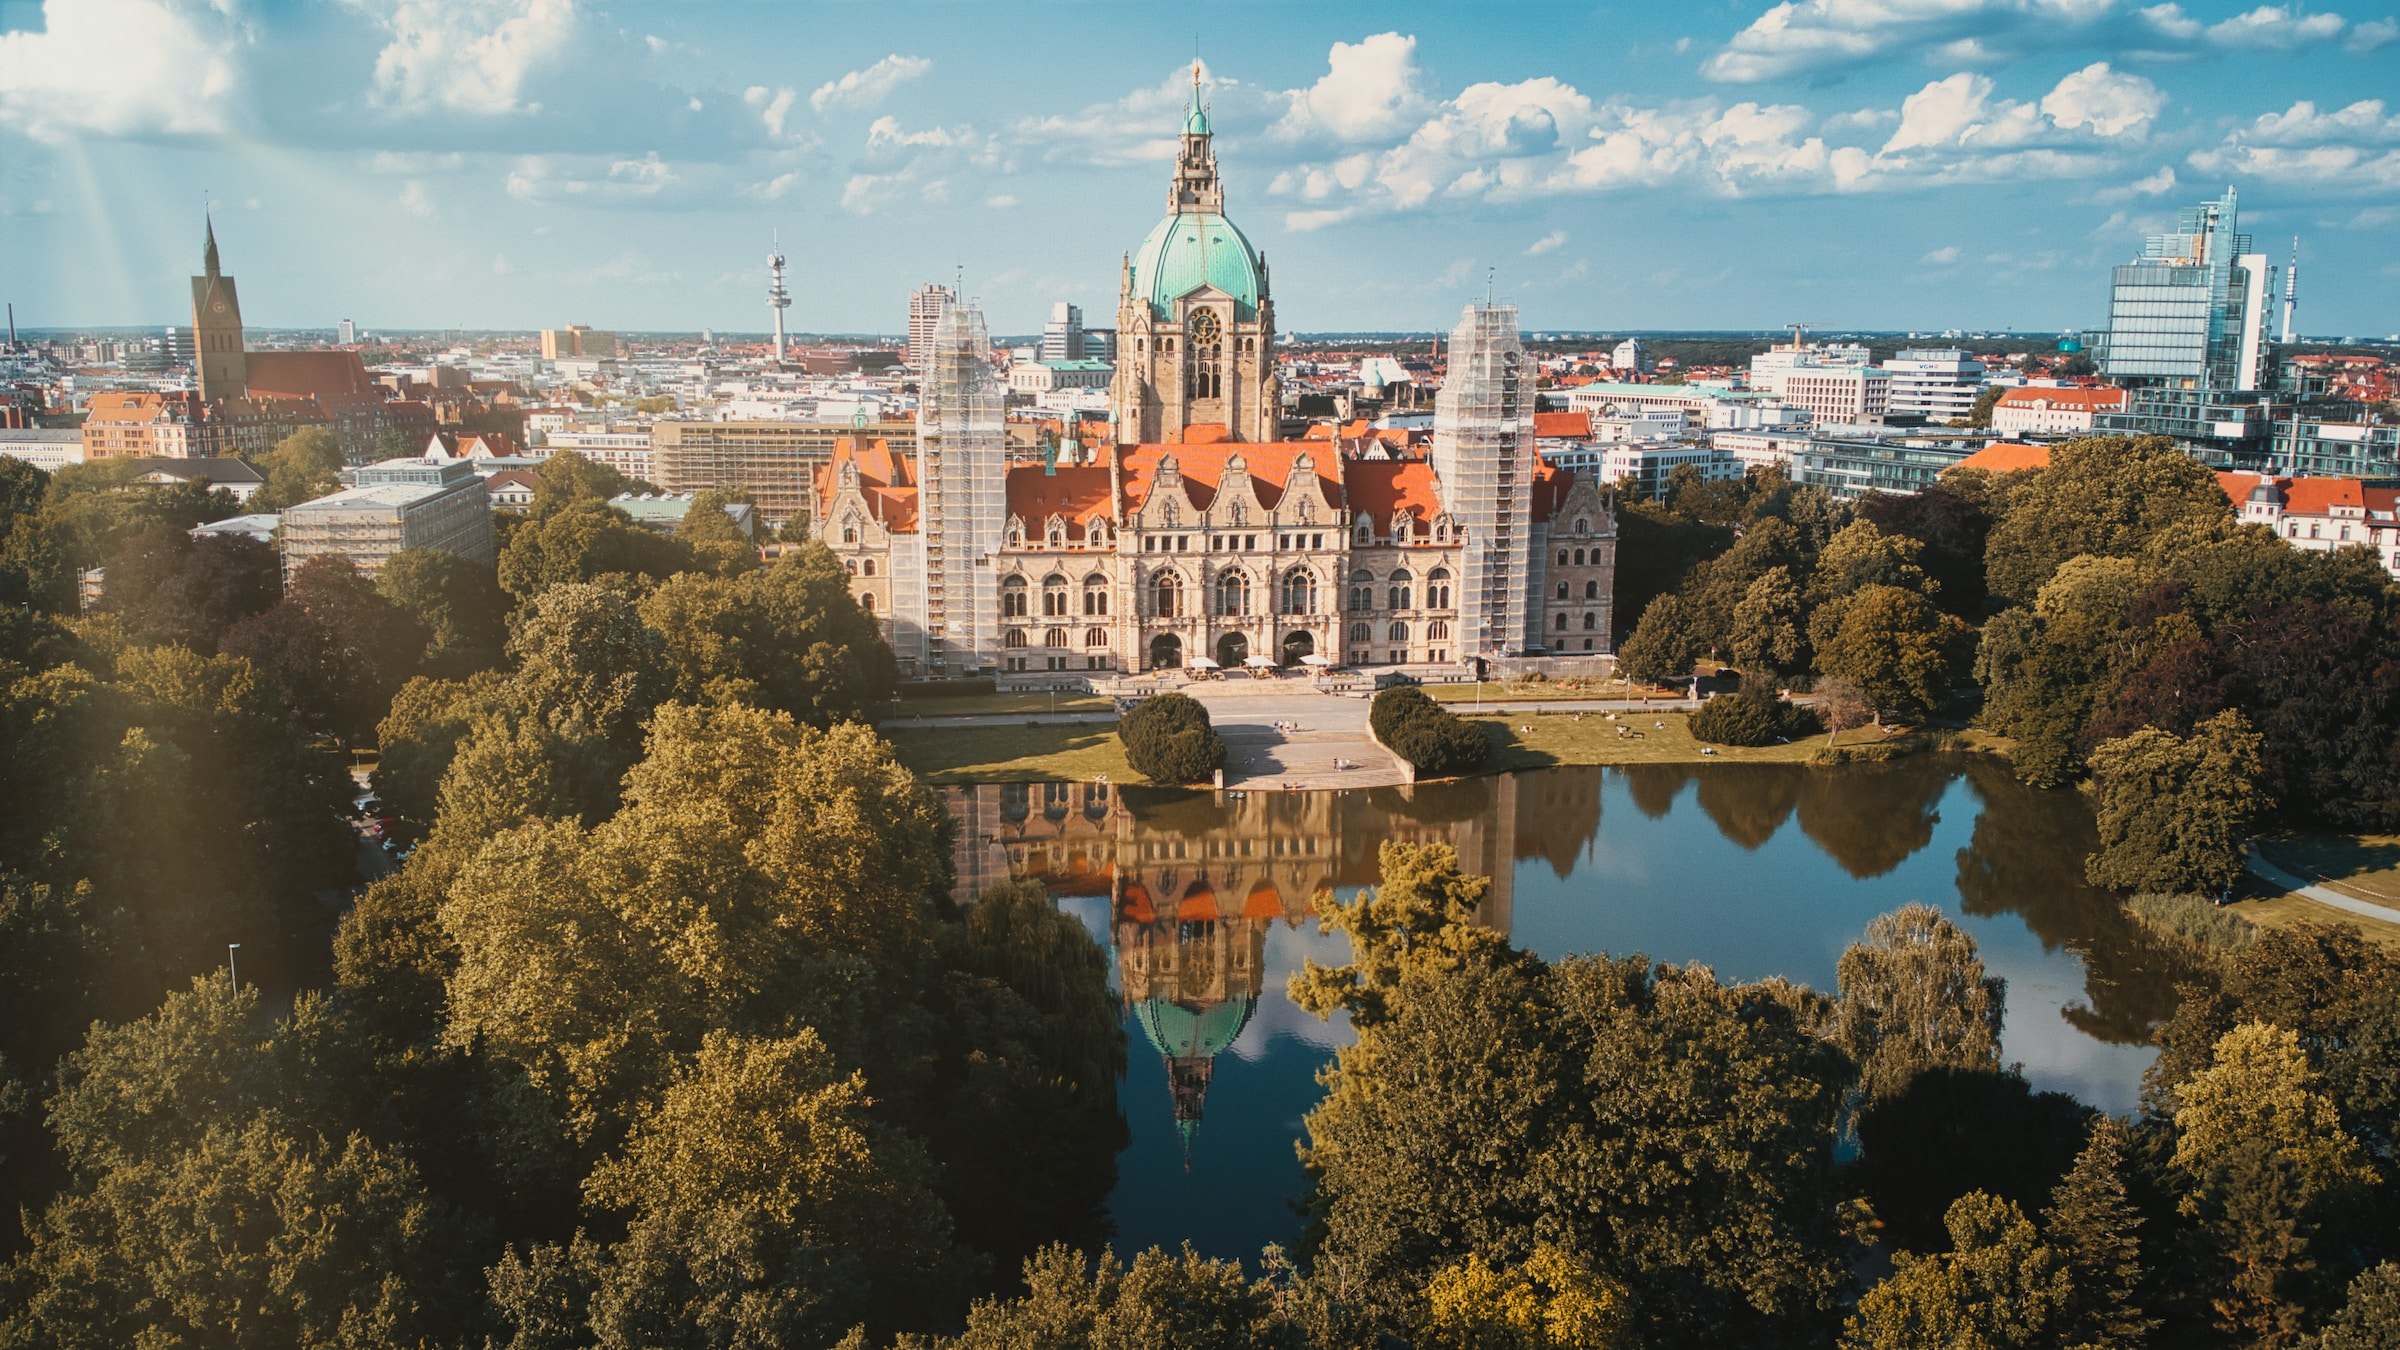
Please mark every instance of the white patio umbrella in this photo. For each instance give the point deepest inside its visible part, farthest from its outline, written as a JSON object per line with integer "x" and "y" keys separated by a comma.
{"x": 1258, "y": 662}
{"x": 1312, "y": 659}
{"x": 1201, "y": 663}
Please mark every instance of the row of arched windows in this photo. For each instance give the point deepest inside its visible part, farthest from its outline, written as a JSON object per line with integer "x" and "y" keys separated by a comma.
{"x": 1016, "y": 597}
{"x": 1054, "y": 637}
{"x": 1591, "y": 620}
{"x": 1094, "y": 535}
{"x": 1591, "y": 590}
{"x": 1437, "y": 631}
{"x": 1578, "y": 555}
{"x": 1400, "y": 589}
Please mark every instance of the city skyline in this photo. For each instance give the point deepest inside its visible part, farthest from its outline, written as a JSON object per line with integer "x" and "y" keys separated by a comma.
{"x": 531, "y": 163}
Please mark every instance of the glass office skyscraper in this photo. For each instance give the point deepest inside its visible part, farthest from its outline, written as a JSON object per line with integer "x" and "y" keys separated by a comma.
{"x": 2191, "y": 312}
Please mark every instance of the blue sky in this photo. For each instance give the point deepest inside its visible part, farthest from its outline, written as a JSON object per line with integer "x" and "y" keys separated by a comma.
{"x": 516, "y": 163}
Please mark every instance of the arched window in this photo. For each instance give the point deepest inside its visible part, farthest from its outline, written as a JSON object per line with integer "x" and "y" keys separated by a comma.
{"x": 1233, "y": 594}
{"x": 1398, "y": 632}
{"x": 1058, "y": 535}
{"x": 1400, "y": 589}
{"x": 868, "y": 567}
{"x": 1360, "y": 632}
{"x": 1096, "y": 534}
{"x": 1204, "y": 358}
{"x": 1015, "y": 638}
{"x": 1562, "y": 590}
{"x": 1437, "y": 631}
{"x": 1054, "y": 637}
{"x": 1054, "y": 598}
{"x": 1579, "y": 557}
{"x": 1582, "y": 525}
{"x": 850, "y": 566}
{"x": 1095, "y": 595}
{"x": 1562, "y": 557}
{"x": 1095, "y": 637}
{"x": 1362, "y": 589}
{"x": 1591, "y": 620}
{"x": 1166, "y": 595}
{"x": 1437, "y": 588}
{"x": 1012, "y": 598}
{"x": 1016, "y": 534}
{"x": 1562, "y": 621}
{"x": 1366, "y": 530}
{"x": 1299, "y": 592}
{"x": 849, "y": 532}
{"x": 867, "y": 603}
{"x": 1591, "y": 590}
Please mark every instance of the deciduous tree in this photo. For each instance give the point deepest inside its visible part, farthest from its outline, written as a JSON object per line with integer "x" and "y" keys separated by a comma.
{"x": 2175, "y": 814}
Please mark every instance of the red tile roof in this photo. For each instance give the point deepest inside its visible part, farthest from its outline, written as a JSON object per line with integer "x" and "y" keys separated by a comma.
{"x": 1571, "y": 426}
{"x": 2005, "y": 457}
{"x": 318, "y": 375}
{"x": 1077, "y": 492}
{"x": 1202, "y": 465}
{"x": 2094, "y": 400}
{"x": 1381, "y": 487}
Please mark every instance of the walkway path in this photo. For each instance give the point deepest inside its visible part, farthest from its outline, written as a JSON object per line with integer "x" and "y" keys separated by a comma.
{"x": 1294, "y": 736}
{"x": 2365, "y": 909}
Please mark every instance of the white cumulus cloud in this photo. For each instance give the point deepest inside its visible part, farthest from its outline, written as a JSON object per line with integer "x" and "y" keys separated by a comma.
{"x": 1943, "y": 256}
{"x": 2109, "y": 102}
{"x": 774, "y": 106}
{"x": 1548, "y": 243}
{"x": 866, "y": 88}
{"x": 1369, "y": 91}
{"x": 470, "y": 56}
{"x": 122, "y": 68}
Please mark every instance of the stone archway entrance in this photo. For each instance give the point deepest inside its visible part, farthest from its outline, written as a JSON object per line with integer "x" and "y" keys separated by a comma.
{"x": 1298, "y": 644}
{"x": 1166, "y": 652}
{"x": 1232, "y": 650}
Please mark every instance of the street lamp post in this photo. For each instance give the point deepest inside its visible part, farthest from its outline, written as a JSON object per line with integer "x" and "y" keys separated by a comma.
{"x": 232, "y": 972}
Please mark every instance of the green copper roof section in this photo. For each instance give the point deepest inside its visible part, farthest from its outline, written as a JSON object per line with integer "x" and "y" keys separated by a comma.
{"x": 1178, "y": 1032}
{"x": 1195, "y": 122}
{"x": 1194, "y": 249}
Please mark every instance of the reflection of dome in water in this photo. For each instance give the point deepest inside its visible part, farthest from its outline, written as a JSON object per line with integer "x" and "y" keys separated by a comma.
{"x": 1191, "y": 1039}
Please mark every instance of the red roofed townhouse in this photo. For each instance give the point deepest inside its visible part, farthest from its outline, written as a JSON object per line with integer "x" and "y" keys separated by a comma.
{"x": 2039, "y": 410}
{"x": 2321, "y": 514}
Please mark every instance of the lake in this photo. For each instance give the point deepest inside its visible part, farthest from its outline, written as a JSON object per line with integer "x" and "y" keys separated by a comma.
{"x": 1204, "y": 901}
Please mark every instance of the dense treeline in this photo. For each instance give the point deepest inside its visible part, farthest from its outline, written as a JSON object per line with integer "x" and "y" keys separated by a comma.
{"x": 1438, "y": 743}
{"x": 2107, "y": 614}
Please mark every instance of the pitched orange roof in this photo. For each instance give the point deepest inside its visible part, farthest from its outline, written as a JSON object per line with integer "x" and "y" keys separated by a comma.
{"x": 1263, "y": 902}
{"x": 1202, "y": 466}
{"x": 1383, "y": 487}
{"x": 1550, "y": 487}
{"x": 1077, "y": 491}
{"x": 2005, "y": 457}
{"x": 2319, "y": 496}
{"x": 321, "y": 375}
{"x": 1573, "y": 426}
{"x": 885, "y": 479}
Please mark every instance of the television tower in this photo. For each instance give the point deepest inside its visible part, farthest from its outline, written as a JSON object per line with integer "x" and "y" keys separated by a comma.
{"x": 778, "y": 299}
{"x": 2291, "y": 290}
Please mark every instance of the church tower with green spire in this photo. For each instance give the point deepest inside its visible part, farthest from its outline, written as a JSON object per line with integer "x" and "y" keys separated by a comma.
{"x": 223, "y": 369}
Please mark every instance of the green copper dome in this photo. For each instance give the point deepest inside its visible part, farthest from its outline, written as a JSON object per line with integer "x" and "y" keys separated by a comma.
{"x": 1194, "y": 249}
{"x": 1195, "y": 122}
{"x": 1179, "y": 1032}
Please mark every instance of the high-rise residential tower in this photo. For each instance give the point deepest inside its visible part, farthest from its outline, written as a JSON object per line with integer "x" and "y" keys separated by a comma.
{"x": 1062, "y": 338}
{"x": 962, "y": 478}
{"x": 1483, "y": 453}
{"x": 925, "y": 309}
{"x": 217, "y": 328}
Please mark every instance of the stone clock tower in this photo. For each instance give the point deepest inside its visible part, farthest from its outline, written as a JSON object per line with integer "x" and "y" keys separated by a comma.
{"x": 1195, "y": 324}
{"x": 217, "y": 329}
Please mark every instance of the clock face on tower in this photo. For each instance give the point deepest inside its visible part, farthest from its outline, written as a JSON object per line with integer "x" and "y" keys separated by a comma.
{"x": 217, "y": 306}
{"x": 1204, "y": 326}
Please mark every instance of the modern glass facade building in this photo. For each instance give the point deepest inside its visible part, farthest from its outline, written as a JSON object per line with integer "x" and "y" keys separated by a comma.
{"x": 2190, "y": 313}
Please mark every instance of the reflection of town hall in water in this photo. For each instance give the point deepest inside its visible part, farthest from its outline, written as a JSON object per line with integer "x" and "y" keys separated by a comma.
{"x": 1205, "y": 533}
{"x": 1195, "y": 881}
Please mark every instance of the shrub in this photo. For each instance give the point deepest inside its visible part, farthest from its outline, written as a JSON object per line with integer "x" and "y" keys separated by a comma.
{"x": 1168, "y": 739}
{"x": 2194, "y": 921}
{"x": 1421, "y": 731}
{"x": 1749, "y": 718}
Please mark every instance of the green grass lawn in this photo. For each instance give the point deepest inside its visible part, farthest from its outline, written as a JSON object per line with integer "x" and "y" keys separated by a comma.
{"x": 1535, "y": 741}
{"x": 2364, "y": 866}
{"x": 1020, "y": 754}
{"x": 970, "y": 705}
{"x": 1547, "y": 691}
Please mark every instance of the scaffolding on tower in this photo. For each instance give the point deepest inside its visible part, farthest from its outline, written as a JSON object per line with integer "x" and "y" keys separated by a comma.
{"x": 1483, "y": 453}
{"x": 962, "y": 484}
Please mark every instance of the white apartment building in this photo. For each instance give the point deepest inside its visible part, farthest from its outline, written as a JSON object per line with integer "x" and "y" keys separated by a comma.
{"x": 1937, "y": 384}
{"x": 1769, "y": 368}
{"x": 627, "y": 450}
{"x": 1843, "y": 394}
{"x": 398, "y": 504}
{"x": 1045, "y": 376}
{"x": 2321, "y": 514}
{"x": 1762, "y": 449}
{"x": 1645, "y": 465}
{"x": 2037, "y": 410}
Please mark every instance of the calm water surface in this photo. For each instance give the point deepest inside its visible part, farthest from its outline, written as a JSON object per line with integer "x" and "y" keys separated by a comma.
{"x": 1204, "y": 900}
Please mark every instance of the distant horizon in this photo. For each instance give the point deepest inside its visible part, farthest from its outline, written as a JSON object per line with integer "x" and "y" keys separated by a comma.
{"x": 1715, "y": 169}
